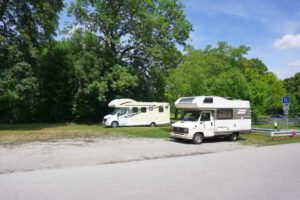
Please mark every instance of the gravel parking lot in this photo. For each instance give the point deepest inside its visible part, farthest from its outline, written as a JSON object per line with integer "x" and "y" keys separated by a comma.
{"x": 96, "y": 151}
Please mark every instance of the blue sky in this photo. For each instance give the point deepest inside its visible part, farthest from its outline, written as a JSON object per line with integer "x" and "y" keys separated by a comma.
{"x": 270, "y": 28}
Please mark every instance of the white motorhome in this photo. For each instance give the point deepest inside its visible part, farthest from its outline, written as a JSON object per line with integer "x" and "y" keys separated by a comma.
{"x": 128, "y": 112}
{"x": 208, "y": 116}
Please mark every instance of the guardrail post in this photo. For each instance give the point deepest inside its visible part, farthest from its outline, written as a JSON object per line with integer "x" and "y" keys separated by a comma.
{"x": 294, "y": 133}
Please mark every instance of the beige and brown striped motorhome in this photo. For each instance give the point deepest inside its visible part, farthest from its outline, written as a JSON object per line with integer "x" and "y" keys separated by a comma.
{"x": 209, "y": 116}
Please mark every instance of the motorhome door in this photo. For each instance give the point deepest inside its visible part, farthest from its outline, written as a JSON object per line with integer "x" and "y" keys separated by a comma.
{"x": 123, "y": 116}
{"x": 207, "y": 123}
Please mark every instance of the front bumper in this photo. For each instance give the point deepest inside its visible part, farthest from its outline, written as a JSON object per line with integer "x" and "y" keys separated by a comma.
{"x": 181, "y": 135}
{"x": 105, "y": 122}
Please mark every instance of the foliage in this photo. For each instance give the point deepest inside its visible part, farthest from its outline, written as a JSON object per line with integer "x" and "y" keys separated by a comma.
{"x": 117, "y": 49}
{"x": 140, "y": 35}
{"x": 76, "y": 82}
{"x": 24, "y": 26}
{"x": 18, "y": 93}
{"x": 292, "y": 86}
{"x": 225, "y": 71}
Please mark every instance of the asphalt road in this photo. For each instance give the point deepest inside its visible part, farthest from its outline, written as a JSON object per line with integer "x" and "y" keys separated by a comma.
{"x": 253, "y": 173}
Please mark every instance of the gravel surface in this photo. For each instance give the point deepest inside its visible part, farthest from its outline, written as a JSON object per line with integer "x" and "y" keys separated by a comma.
{"x": 96, "y": 151}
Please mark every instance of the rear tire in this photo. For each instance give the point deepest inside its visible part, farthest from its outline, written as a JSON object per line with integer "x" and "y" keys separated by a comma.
{"x": 198, "y": 138}
{"x": 233, "y": 136}
{"x": 153, "y": 124}
{"x": 114, "y": 124}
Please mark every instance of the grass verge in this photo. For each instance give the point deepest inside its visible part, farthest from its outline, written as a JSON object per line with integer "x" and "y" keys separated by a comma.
{"x": 17, "y": 133}
{"x": 14, "y": 133}
{"x": 262, "y": 139}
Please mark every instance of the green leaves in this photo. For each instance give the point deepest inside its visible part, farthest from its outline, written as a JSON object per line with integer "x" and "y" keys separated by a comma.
{"x": 18, "y": 93}
{"x": 225, "y": 71}
{"x": 136, "y": 34}
{"x": 292, "y": 86}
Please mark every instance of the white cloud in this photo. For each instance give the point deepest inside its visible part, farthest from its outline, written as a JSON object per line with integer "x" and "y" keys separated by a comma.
{"x": 288, "y": 41}
{"x": 294, "y": 63}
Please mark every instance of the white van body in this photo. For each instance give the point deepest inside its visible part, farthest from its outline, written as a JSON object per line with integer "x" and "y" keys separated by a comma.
{"x": 132, "y": 113}
{"x": 209, "y": 116}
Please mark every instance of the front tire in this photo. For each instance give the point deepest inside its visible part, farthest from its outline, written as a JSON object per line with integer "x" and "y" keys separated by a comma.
{"x": 198, "y": 138}
{"x": 233, "y": 137}
{"x": 114, "y": 124}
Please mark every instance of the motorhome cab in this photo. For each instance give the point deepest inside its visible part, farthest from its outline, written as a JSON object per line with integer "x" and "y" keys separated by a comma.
{"x": 128, "y": 112}
{"x": 208, "y": 116}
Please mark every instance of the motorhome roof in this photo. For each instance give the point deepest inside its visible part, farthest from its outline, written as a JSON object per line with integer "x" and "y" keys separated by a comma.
{"x": 209, "y": 102}
{"x": 119, "y": 103}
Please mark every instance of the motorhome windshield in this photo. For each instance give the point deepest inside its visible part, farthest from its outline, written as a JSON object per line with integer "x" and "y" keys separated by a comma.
{"x": 190, "y": 116}
{"x": 121, "y": 111}
{"x": 115, "y": 111}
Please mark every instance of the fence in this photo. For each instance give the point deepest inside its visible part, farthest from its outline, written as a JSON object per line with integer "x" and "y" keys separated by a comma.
{"x": 268, "y": 120}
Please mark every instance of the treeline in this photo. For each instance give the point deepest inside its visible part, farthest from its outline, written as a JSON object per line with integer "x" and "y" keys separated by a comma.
{"x": 116, "y": 49}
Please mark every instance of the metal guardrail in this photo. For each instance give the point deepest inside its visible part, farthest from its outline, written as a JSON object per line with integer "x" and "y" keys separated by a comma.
{"x": 262, "y": 129}
{"x": 274, "y": 133}
{"x": 285, "y": 133}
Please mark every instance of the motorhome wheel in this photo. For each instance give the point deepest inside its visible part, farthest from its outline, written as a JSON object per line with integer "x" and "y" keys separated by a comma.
{"x": 114, "y": 124}
{"x": 198, "y": 138}
{"x": 233, "y": 136}
{"x": 152, "y": 124}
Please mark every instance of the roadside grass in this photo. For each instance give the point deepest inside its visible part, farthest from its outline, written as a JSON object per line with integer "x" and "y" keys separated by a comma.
{"x": 15, "y": 133}
{"x": 262, "y": 139}
{"x": 19, "y": 133}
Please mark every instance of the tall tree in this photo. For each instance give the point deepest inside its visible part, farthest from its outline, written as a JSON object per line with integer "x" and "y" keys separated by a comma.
{"x": 140, "y": 35}
{"x": 19, "y": 92}
{"x": 292, "y": 86}
{"x": 25, "y": 26}
{"x": 225, "y": 71}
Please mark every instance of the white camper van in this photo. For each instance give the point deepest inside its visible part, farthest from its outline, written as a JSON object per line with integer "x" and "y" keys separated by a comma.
{"x": 208, "y": 116}
{"x": 128, "y": 112}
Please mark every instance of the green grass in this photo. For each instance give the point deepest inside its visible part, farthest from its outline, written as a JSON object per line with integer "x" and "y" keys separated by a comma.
{"x": 15, "y": 133}
{"x": 261, "y": 139}
{"x": 10, "y": 133}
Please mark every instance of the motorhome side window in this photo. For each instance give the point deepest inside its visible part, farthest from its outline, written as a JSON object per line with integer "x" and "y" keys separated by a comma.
{"x": 143, "y": 109}
{"x": 135, "y": 109}
{"x": 160, "y": 109}
{"x": 224, "y": 114}
{"x": 208, "y": 100}
{"x": 205, "y": 117}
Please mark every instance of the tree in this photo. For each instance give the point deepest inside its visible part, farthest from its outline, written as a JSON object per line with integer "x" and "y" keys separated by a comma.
{"x": 91, "y": 83}
{"x": 225, "y": 71}
{"x": 18, "y": 94}
{"x": 56, "y": 77}
{"x": 292, "y": 86}
{"x": 24, "y": 25}
{"x": 138, "y": 35}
